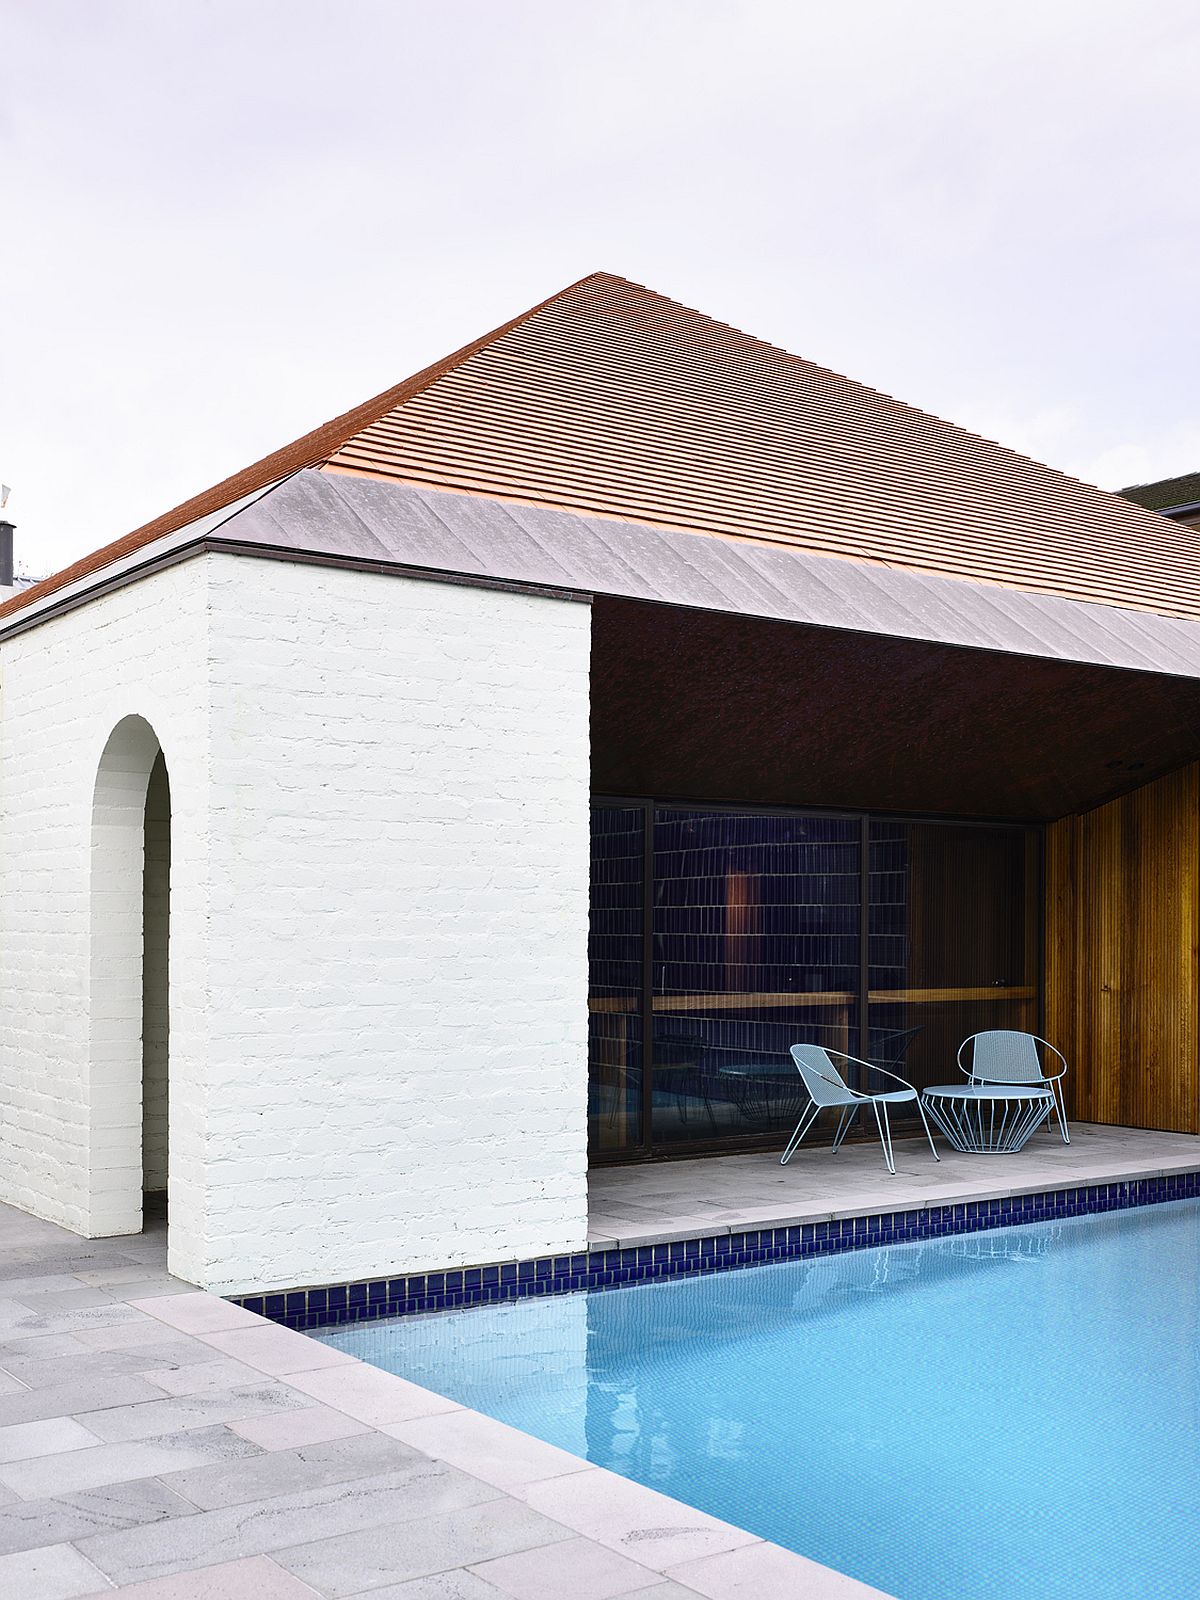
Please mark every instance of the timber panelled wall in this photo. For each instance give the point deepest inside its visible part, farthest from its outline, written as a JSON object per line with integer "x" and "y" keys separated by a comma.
{"x": 1122, "y": 963}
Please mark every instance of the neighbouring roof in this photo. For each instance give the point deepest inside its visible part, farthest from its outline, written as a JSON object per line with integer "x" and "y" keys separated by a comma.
{"x": 614, "y": 402}
{"x": 1168, "y": 494}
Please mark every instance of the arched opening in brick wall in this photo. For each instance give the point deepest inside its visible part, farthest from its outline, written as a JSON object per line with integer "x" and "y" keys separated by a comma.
{"x": 130, "y": 943}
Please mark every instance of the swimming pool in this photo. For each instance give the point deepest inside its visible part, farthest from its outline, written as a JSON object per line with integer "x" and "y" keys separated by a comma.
{"x": 1012, "y": 1414}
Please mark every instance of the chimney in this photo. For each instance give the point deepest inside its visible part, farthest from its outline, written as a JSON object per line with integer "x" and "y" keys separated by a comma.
{"x": 6, "y": 555}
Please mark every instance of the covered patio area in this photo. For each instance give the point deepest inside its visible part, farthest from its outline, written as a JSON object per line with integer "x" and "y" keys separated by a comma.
{"x": 660, "y": 1202}
{"x": 880, "y": 846}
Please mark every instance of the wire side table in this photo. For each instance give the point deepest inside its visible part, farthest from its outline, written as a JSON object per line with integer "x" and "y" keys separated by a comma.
{"x": 989, "y": 1119}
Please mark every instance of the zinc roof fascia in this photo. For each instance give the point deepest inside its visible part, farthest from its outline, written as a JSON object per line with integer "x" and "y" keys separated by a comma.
{"x": 681, "y": 568}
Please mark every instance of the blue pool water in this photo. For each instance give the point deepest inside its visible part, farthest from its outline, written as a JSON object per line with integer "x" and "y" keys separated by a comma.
{"x": 1011, "y": 1415}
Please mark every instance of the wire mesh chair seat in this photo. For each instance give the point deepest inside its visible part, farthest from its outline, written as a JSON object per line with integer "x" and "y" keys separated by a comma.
{"x": 1004, "y": 1056}
{"x": 826, "y": 1087}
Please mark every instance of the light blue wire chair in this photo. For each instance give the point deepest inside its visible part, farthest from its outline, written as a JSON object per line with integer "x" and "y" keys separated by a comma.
{"x": 1003, "y": 1056}
{"x": 827, "y": 1087}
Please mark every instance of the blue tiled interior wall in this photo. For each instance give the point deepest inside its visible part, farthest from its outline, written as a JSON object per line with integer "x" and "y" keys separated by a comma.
{"x": 612, "y": 1269}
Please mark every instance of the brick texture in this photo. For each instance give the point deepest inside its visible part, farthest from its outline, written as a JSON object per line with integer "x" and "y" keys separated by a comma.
{"x": 399, "y": 923}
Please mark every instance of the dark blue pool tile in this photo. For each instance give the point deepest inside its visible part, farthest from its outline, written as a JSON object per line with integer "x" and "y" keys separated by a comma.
{"x": 609, "y": 1269}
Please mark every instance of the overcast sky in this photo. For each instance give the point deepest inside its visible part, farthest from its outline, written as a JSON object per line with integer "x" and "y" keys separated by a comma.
{"x": 223, "y": 221}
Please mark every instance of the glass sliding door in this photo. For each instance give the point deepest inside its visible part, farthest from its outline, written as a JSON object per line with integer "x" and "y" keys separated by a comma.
{"x": 952, "y": 941}
{"x": 756, "y": 947}
{"x": 720, "y": 937}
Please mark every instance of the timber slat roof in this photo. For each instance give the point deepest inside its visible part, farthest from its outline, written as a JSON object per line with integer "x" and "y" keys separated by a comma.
{"x": 611, "y": 400}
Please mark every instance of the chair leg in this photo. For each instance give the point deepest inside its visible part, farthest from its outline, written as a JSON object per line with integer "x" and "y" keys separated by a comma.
{"x": 928, "y": 1134}
{"x": 802, "y": 1127}
{"x": 1060, "y": 1105}
{"x": 885, "y": 1133}
{"x": 847, "y": 1122}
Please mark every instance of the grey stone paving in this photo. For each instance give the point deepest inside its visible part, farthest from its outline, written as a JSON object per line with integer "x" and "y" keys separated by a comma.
{"x": 162, "y": 1443}
{"x": 686, "y": 1199}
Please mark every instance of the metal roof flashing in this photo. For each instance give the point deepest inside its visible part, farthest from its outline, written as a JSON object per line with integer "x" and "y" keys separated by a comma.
{"x": 165, "y": 551}
{"x": 336, "y": 518}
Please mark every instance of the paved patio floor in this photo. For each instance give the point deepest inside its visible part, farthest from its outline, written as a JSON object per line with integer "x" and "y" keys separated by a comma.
{"x": 665, "y": 1200}
{"x": 163, "y": 1443}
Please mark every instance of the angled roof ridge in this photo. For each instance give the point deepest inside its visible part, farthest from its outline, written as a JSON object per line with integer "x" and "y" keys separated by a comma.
{"x": 310, "y": 450}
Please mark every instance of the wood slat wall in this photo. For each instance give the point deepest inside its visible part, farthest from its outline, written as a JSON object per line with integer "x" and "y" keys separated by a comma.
{"x": 1123, "y": 955}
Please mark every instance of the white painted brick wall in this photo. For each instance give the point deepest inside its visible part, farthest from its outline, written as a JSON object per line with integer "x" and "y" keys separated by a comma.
{"x": 379, "y": 904}
{"x": 399, "y": 924}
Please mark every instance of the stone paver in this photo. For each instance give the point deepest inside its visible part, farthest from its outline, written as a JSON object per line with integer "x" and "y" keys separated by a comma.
{"x": 457, "y": 1585}
{"x": 276, "y": 1350}
{"x": 576, "y": 1567}
{"x": 255, "y": 1578}
{"x": 74, "y": 1393}
{"x": 369, "y": 1394}
{"x": 31, "y": 1523}
{"x": 635, "y": 1521}
{"x": 286, "y": 1430}
{"x": 70, "y": 1471}
{"x": 46, "y": 1437}
{"x": 197, "y": 1313}
{"x": 760, "y": 1569}
{"x": 375, "y": 1556}
{"x": 202, "y": 1377}
{"x": 684, "y": 1199}
{"x": 55, "y": 1572}
{"x": 486, "y": 1448}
